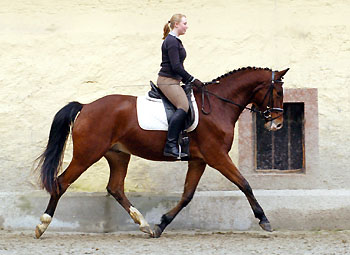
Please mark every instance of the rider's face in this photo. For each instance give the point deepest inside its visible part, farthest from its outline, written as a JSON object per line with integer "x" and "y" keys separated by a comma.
{"x": 181, "y": 26}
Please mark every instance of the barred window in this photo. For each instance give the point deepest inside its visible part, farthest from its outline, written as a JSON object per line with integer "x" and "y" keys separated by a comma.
{"x": 283, "y": 149}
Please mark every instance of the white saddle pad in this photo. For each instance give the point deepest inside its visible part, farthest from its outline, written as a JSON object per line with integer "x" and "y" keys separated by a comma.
{"x": 151, "y": 114}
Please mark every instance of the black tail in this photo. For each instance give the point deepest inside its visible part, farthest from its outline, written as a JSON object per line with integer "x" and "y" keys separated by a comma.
{"x": 51, "y": 159}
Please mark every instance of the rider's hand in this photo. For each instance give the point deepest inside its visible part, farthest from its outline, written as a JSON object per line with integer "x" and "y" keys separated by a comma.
{"x": 197, "y": 83}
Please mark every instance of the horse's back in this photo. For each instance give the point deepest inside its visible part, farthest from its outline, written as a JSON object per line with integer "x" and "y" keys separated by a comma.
{"x": 103, "y": 113}
{"x": 112, "y": 100}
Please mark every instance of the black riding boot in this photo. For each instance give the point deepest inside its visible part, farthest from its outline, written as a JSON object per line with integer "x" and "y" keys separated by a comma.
{"x": 176, "y": 125}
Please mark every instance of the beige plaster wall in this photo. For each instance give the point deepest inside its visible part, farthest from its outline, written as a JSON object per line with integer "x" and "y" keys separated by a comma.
{"x": 53, "y": 52}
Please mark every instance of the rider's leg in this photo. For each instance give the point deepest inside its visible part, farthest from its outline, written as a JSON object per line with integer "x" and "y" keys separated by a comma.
{"x": 176, "y": 125}
{"x": 172, "y": 90}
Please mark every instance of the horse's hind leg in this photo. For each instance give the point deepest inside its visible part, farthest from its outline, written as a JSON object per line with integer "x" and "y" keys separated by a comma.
{"x": 194, "y": 173}
{"x": 118, "y": 162}
{"x": 73, "y": 171}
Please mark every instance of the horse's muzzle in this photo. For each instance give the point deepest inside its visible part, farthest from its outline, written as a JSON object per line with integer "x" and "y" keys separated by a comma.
{"x": 273, "y": 125}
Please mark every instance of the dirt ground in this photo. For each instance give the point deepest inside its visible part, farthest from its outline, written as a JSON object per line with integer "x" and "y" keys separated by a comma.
{"x": 190, "y": 242}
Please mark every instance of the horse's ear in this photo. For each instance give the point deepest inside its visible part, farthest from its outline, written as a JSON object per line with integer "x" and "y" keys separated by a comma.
{"x": 280, "y": 74}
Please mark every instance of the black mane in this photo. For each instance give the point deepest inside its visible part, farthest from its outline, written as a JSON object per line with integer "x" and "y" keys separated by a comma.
{"x": 237, "y": 70}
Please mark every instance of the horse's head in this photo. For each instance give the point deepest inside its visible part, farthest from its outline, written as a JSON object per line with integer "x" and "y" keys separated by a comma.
{"x": 268, "y": 98}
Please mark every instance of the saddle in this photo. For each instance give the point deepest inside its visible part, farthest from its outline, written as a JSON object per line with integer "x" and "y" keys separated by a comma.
{"x": 156, "y": 93}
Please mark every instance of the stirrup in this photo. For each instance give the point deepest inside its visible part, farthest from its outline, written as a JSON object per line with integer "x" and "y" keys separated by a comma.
{"x": 182, "y": 154}
{"x": 177, "y": 155}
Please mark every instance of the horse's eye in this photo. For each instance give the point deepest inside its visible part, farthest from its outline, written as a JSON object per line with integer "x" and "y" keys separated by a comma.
{"x": 279, "y": 93}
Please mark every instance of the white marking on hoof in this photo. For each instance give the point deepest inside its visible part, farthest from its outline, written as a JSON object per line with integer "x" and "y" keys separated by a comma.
{"x": 139, "y": 219}
{"x": 40, "y": 228}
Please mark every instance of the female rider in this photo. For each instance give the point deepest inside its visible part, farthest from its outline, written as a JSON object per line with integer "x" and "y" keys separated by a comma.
{"x": 171, "y": 73}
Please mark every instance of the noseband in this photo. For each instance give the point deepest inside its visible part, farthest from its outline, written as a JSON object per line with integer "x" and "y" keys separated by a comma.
{"x": 265, "y": 114}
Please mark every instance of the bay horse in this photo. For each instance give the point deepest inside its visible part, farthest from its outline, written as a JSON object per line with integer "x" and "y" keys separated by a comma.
{"x": 108, "y": 127}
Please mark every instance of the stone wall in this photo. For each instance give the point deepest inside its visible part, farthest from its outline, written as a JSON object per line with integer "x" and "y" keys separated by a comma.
{"x": 53, "y": 52}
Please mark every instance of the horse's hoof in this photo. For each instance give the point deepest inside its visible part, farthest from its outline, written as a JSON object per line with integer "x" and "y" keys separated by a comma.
{"x": 146, "y": 229}
{"x": 265, "y": 225}
{"x": 38, "y": 232}
{"x": 157, "y": 231}
{"x": 45, "y": 222}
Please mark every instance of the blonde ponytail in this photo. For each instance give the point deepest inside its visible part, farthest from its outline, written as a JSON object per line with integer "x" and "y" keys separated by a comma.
{"x": 171, "y": 24}
{"x": 166, "y": 30}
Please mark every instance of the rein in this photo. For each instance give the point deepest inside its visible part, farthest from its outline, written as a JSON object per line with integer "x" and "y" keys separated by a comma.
{"x": 266, "y": 114}
{"x": 205, "y": 92}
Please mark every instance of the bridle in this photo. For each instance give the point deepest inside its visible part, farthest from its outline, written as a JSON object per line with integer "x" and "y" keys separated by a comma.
{"x": 266, "y": 114}
{"x": 269, "y": 108}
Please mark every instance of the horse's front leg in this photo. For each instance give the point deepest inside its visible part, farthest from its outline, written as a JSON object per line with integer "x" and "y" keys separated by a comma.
{"x": 225, "y": 166}
{"x": 194, "y": 173}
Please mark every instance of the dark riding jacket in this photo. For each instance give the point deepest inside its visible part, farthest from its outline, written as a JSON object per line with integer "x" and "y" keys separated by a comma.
{"x": 173, "y": 56}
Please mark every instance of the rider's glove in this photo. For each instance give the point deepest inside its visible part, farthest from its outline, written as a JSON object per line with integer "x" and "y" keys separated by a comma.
{"x": 197, "y": 83}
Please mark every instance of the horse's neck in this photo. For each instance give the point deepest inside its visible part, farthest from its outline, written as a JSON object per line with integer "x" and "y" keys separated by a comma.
{"x": 237, "y": 88}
